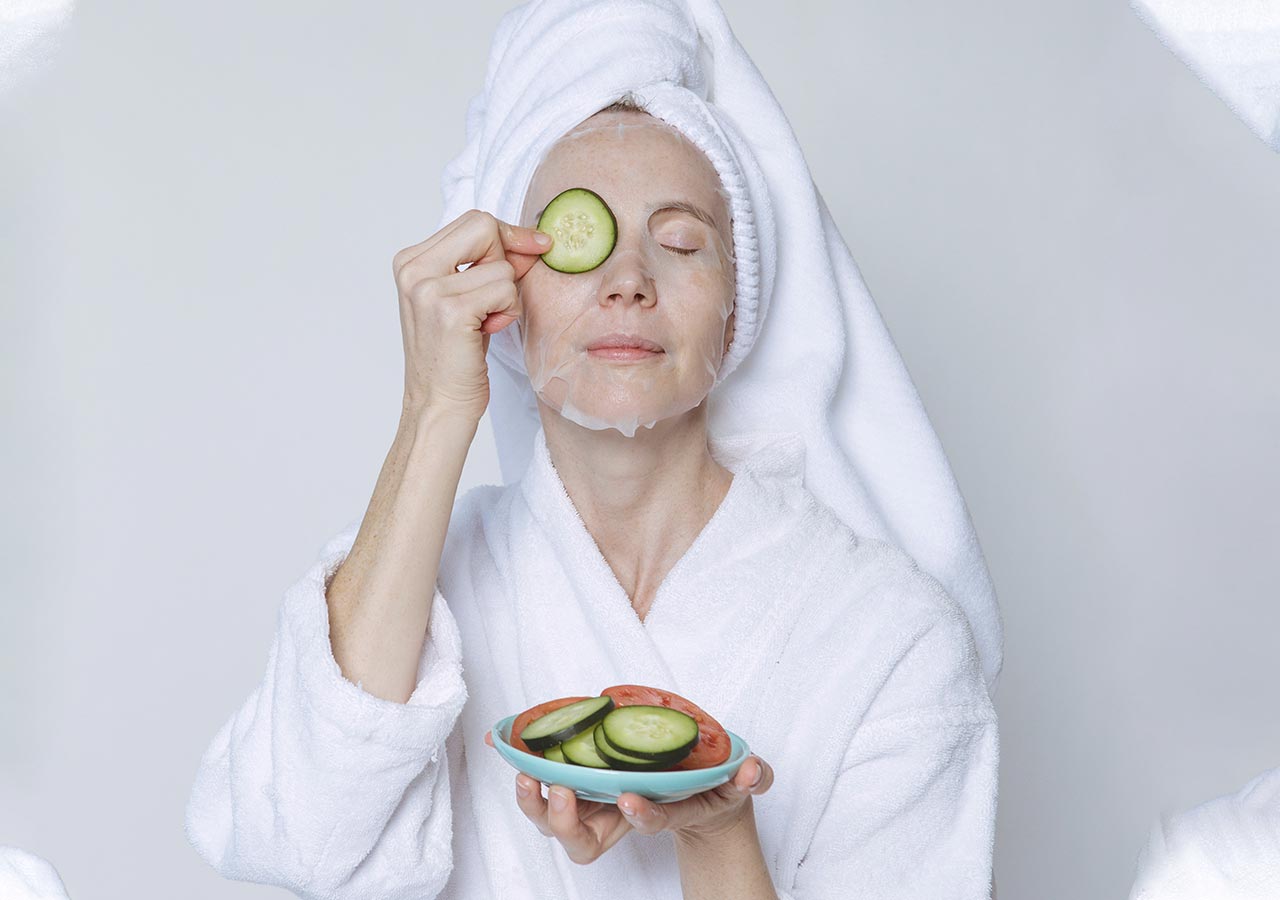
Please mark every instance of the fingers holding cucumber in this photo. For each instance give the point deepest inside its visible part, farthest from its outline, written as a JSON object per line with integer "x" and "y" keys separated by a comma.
{"x": 447, "y": 315}
{"x": 476, "y": 237}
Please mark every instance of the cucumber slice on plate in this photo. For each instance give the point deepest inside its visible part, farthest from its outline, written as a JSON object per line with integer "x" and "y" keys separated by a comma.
{"x": 619, "y": 760}
{"x": 561, "y": 724}
{"x": 584, "y": 229}
{"x": 581, "y": 750}
{"x": 555, "y": 752}
{"x": 649, "y": 732}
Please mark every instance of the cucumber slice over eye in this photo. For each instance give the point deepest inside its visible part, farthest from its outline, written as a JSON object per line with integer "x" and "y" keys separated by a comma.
{"x": 649, "y": 732}
{"x": 584, "y": 230}
{"x": 561, "y": 724}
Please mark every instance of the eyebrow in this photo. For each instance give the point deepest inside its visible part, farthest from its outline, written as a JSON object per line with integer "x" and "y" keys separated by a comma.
{"x": 696, "y": 211}
{"x": 684, "y": 206}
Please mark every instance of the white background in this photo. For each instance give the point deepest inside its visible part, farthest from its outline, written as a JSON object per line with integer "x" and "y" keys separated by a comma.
{"x": 1072, "y": 241}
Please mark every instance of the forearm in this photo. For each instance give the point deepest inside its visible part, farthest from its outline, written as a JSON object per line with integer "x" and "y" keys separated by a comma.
{"x": 380, "y": 598}
{"x": 729, "y": 864}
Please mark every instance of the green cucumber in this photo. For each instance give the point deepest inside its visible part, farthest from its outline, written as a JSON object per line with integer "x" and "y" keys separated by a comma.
{"x": 584, "y": 230}
{"x": 619, "y": 760}
{"x": 581, "y": 751}
{"x": 555, "y": 753}
{"x": 649, "y": 732}
{"x": 561, "y": 724}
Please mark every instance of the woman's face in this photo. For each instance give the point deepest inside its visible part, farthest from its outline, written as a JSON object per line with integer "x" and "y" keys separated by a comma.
{"x": 669, "y": 278}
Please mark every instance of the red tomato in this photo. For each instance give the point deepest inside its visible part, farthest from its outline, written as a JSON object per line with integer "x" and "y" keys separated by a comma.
{"x": 713, "y": 741}
{"x": 532, "y": 713}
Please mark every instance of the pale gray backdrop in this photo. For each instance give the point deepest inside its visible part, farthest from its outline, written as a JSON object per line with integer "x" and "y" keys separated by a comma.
{"x": 1071, "y": 239}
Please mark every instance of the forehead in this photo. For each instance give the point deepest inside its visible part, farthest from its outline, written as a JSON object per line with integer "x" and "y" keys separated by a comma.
{"x": 630, "y": 159}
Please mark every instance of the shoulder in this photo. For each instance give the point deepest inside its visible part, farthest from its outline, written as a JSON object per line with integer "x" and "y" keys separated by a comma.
{"x": 900, "y": 628}
{"x": 466, "y": 519}
{"x": 477, "y": 503}
{"x": 865, "y": 578}
{"x": 479, "y": 524}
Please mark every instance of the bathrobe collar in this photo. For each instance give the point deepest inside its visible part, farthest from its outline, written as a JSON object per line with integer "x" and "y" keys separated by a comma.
{"x": 765, "y": 464}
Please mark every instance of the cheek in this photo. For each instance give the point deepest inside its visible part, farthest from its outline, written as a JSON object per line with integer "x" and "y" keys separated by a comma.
{"x": 712, "y": 301}
{"x": 547, "y": 316}
{"x": 703, "y": 327}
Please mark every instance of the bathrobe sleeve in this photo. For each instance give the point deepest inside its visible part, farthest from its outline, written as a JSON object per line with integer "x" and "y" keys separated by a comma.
{"x": 912, "y": 812}
{"x": 319, "y": 787}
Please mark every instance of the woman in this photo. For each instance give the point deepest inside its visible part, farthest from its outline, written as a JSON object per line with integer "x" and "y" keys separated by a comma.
{"x": 638, "y": 545}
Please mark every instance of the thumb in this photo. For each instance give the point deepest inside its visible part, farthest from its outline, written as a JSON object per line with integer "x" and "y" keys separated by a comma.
{"x": 523, "y": 246}
{"x": 493, "y": 323}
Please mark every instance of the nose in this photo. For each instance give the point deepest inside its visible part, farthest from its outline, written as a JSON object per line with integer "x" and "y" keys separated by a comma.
{"x": 627, "y": 281}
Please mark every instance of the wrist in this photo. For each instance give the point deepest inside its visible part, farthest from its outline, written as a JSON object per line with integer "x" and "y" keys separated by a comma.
{"x": 724, "y": 860}
{"x": 738, "y": 826}
{"x": 417, "y": 417}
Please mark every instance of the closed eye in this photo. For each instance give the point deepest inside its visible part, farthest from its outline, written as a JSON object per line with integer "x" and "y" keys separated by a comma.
{"x": 680, "y": 250}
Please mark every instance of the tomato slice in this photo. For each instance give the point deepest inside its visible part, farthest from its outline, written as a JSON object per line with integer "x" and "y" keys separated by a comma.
{"x": 713, "y": 741}
{"x": 535, "y": 712}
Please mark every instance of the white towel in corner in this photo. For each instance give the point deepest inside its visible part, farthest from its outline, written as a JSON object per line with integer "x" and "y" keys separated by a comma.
{"x": 1226, "y": 849}
{"x": 1233, "y": 46}
{"x": 30, "y": 34}
{"x": 25, "y": 876}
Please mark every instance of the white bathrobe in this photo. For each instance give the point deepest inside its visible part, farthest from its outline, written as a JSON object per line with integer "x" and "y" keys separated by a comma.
{"x": 844, "y": 665}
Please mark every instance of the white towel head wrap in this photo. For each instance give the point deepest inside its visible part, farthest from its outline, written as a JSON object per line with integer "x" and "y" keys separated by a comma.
{"x": 810, "y": 353}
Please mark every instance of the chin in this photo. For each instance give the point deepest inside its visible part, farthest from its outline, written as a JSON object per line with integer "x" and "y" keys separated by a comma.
{"x": 641, "y": 411}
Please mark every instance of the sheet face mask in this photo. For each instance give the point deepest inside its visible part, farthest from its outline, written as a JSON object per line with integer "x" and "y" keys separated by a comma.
{"x": 669, "y": 279}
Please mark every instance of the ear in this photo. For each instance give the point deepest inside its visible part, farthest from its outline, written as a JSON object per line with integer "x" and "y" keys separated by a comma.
{"x": 728, "y": 337}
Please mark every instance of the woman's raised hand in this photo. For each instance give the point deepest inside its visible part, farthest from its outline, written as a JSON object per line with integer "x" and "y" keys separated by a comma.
{"x": 447, "y": 316}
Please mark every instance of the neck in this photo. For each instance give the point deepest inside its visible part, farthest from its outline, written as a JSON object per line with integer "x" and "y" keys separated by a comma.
{"x": 643, "y": 499}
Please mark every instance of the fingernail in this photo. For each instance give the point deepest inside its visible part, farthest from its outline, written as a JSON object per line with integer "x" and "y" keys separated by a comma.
{"x": 542, "y": 238}
{"x": 759, "y": 774}
{"x": 523, "y": 789}
{"x": 558, "y": 800}
{"x": 627, "y": 809}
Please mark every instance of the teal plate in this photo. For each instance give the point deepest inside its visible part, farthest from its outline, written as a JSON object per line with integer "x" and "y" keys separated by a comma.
{"x": 606, "y": 785}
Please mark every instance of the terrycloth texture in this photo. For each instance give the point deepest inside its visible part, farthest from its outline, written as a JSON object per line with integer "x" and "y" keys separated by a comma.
{"x": 299, "y": 785}
{"x": 810, "y": 353}
{"x": 1233, "y": 46}
{"x": 30, "y": 32}
{"x": 25, "y": 876}
{"x": 843, "y": 664}
{"x": 1226, "y": 849}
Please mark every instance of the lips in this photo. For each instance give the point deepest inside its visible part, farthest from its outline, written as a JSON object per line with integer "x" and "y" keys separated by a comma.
{"x": 618, "y": 340}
